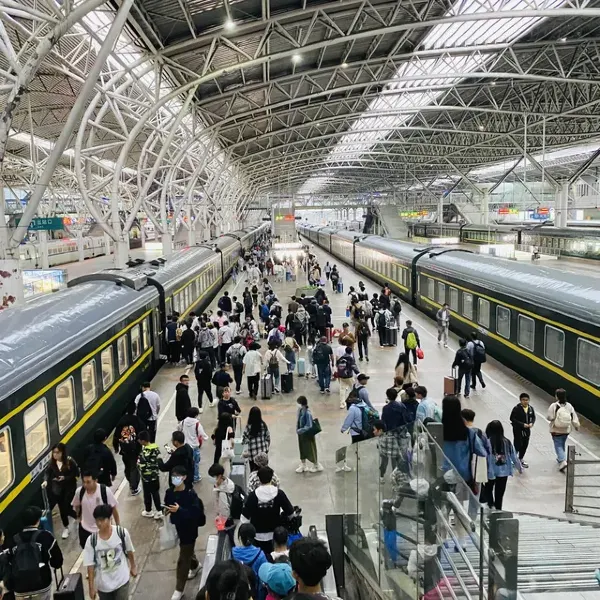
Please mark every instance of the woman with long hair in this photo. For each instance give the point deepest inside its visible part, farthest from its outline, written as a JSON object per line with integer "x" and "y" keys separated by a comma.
{"x": 223, "y": 432}
{"x": 460, "y": 442}
{"x": 256, "y": 436}
{"x": 306, "y": 440}
{"x": 405, "y": 369}
{"x": 501, "y": 464}
{"x": 60, "y": 479}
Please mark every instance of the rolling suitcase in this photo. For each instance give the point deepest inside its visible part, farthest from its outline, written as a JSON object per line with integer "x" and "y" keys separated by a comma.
{"x": 266, "y": 386}
{"x": 393, "y": 337}
{"x": 46, "y": 520}
{"x": 301, "y": 367}
{"x": 70, "y": 588}
{"x": 340, "y": 287}
{"x": 451, "y": 384}
{"x": 287, "y": 383}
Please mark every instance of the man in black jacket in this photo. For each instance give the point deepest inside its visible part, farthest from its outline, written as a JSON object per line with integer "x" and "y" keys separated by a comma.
{"x": 31, "y": 558}
{"x": 99, "y": 459}
{"x": 182, "y": 398}
{"x": 464, "y": 362}
{"x": 522, "y": 419}
{"x": 203, "y": 372}
{"x": 225, "y": 304}
{"x": 182, "y": 456}
{"x": 263, "y": 509}
{"x": 125, "y": 443}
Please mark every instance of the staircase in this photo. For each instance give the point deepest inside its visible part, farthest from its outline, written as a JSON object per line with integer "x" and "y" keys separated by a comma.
{"x": 393, "y": 224}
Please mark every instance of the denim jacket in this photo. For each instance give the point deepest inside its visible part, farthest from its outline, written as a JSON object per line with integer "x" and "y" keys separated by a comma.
{"x": 509, "y": 462}
{"x": 305, "y": 420}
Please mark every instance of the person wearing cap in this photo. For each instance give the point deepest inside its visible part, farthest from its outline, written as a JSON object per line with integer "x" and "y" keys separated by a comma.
{"x": 278, "y": 578}
{"x": 361, "y": 388}
{"x": 260, "y": 460}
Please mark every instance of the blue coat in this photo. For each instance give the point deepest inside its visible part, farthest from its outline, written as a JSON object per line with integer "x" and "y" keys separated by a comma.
{"x": 459, "y": 454}
{"x": 511, "y": 461}
{"x": 305, "y": 420}
{"x": 353, "y": 420}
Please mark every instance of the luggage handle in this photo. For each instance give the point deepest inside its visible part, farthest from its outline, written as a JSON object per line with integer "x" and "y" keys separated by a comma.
{"x": 62, "y": 577}
{"x": 45, "y": 499}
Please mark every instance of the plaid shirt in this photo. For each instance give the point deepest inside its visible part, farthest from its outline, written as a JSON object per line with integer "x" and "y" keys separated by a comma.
{"x": 388, "y": 445}
{"x": 258, "y": 444}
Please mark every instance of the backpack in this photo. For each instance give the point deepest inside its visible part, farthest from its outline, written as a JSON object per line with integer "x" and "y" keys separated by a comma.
{"x": 26, "y": 562}
{"x": 368, "y": 308}
{"x": 381, "y": 320}
{"x": 103, "y": 494}
{"x": 397, "y": 307}
{"x": 93, "y": 461}
{"x": 236, "y": 357}
{"x": 562, "y": 419}
{"x": 274, "y": 338}
{"x": 178, "y": 334}
{"x": 319, "y": 354}
{"x": 369, "y": 416}
{"x": 239, "y": 307}
{"x": 479, "y": 352}
{"x": 264, "y": 311}
{"x": 128, "y": 441}
{"x": 237, "y": 499}
{"x": 465, "y": 362}
{"x": 353, "y": 394}
{"x": 94, "y": 542}
{"x": 254, "y": 290}
{"x": 144, "y": 410}
{"x": 343, "y": 367}
{"x": 221, "y": 302}
{"x": 411, "y": 340}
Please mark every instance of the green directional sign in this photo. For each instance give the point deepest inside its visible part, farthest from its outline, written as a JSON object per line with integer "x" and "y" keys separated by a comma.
{"x": 46, "y": 224}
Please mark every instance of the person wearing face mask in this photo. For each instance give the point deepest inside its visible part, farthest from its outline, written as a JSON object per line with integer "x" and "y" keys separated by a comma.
{"x": 187, "y": 514}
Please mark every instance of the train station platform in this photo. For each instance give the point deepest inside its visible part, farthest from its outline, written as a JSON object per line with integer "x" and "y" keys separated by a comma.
{"x": 539, "y": 490}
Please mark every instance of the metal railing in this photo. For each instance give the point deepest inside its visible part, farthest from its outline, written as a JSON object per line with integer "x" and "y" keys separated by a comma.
{"x": 582, "y": 495}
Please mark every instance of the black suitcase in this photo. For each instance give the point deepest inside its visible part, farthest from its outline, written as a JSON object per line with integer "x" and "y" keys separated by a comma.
{"x": 392, "y": 337}
{"x": 70, "y": 588}
{"x": 287, "y": 383}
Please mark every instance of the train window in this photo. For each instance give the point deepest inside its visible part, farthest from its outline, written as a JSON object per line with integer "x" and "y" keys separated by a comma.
{"x": 441, "y": 293}
{"x": 554, "y": 345}
{"x": 35, "y": 422}
{"x": 108, "y": 374}
{"x": 88, "y": 383}
{"x": 146, "y": 333}
{"x": 503, "y": 321}
{"x": 526, "y": 332}
{"x": 136, "y": 348}
{"x": 122, "y": 358}
{"x": 467, "y": 305}
{"x": 588, "y": 357}
{"x": 483, "y": 310}
{"x": 65, "y": 404}
{"x": 6, "y": 462}
{"x": 453, "y": 298}
{"x": 430, "y": 288}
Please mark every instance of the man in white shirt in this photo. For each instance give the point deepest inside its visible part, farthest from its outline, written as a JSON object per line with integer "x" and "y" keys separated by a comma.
{"x": 252, "y": 366}
{"x": 109, "y": 558}
{"x": 225, "y": 340}
{"x": 154, "y": 402}
{"x": 87, "y": 497}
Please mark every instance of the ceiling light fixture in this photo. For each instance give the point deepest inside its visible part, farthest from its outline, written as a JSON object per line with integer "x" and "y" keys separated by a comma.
{"x": 563, "y": 40}
{"x": 481, "y": 128}
{"x": 229, "y": 24}
{"x": 296, "y": 58}
{"x": 344, "y": 65}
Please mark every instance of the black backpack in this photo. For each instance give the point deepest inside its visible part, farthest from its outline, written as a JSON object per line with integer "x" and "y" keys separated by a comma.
{"x": 381, "y": 320}
{"x": 237, "y": 498}
{"x": 94, "y": 461}
{"x": 465, "y": 362}
{"x": 26, "y": 562}
{"x": 479, "y": 352}
{"x": 143, "y": 411}
{"x": 397, "y": 307}
{"x": 103, "y": 493}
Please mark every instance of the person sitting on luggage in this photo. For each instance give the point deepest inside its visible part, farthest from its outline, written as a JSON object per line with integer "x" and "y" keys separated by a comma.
{"x": 31, "y": 558}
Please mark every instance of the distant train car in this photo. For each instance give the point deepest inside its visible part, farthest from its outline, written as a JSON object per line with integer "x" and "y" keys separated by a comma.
{"x": 60, "y": 252}
{"x": 73, "y": 360}
{"x": 541, "y": 323}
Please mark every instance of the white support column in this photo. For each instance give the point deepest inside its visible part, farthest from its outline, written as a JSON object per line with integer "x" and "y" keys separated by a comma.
{"x": 167, "y": 244}
{"x": 562, "y": 204}
{"x": 44, "y": 259}
{"x": 485, "y": 208}
{"x": 80, "y": 250}
{"x": 143, "y": 234}
{"x": 107, "y": 243}
{"x": 121, "y": 254}
{"x": 4, "y": 248}
{"x": 440, "y": 218}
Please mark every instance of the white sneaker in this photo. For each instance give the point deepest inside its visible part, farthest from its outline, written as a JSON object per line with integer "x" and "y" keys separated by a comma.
{"x": 316, "y": 468}
{"x": 193, "y": 572}
{"x": 136, "y": 491}
{"x": 382, "y": 480}
{"x": 342, "y": 405}
{"x": 200, "y": 410}
{"x": 302, "y": 469}
{"x": 65, "y": 533}
{"x": 158, "y": 515}
{"x": 445, "y": 345}
{"x": 346, "y": 468}
{"x": 148, "y": 513}
{"x": 177, "y": 595}
{"x": 562, "y": 467}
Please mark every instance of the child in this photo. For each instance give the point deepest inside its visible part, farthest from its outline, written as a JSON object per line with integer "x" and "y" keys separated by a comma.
{"x": 149, "y": 471}
{"x": 187, "y": 514}
{"x": 280, "y": 540}
{"x": 194, "y": 436}
{"x": 248, "y": 553}
{"x": 279, "y": 580}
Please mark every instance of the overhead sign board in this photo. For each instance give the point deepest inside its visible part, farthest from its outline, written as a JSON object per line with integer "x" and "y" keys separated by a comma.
{"x": 46, "y": 224}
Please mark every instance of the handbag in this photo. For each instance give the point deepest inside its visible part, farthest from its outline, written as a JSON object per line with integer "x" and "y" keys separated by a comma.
{"x": 227, "y": 447}
{"x": 168, "y": 535}
{"x": 315, "y": 428}
{"x": 420, "y": 354}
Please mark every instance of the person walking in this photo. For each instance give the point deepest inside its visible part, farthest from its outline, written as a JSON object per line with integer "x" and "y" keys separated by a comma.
{"x": 443, "y": 324}
{"x": 396, "y": 310}
{"x": 223, "y": 493}
{"x": 363, "y": 333}
{"x": 205, "y": 342}
{"x": 223, "y": 439}
{"x": 249, "y": 553}
{"x": 203, "y": 373}
{"x": 187, "y": 514}
{"x": 182, "y": 398}
{"x": 235, "y": 355}
{"x": 411, "y": 339}
{"x": 125, "y": 442}
{"x": 32, "y": 579}
{"x": 327, "y": 270}
{"x": 228, "y": 404}
{"x": 261, "y": 460}
{"x": 501, "y": 464}
{"x": 276, "y": 364}
{"x": 173, "y": 344}
{"x": 346, "y": 369}
{"x": 406, "y": 370}
{"x": 307, "y": 443}
{"x": 221, "y": 379}
{"x": 150, "y": 476}
{"x": 87, "y": 497}
{"x": 322, "y": 357}
{"x": 188, "y": 341}
{"x": 60, "y": 478}
{"x": 463, "y": 361}
{"x": 252, "y": 367}
{"x": 194, "y": 437}
{"x": 99, "y": 459}
{"x": 147, "y": 408}
{"x": 225, "y": 304}
{"x": 109, "y": 558}
{"x": 522, "y": 419}
{"x": 182, "y": 455}
{"x": 256, "y": 436}
{"x": 563, "y": 419}
{"x": 225, "y": 340}
{"x": 395, "y": 414}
